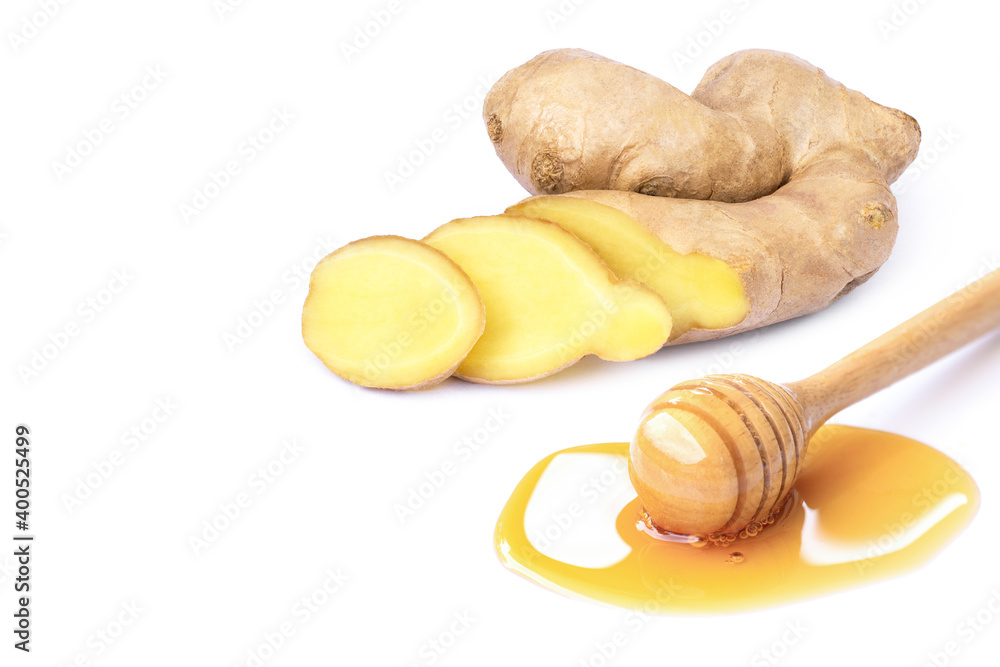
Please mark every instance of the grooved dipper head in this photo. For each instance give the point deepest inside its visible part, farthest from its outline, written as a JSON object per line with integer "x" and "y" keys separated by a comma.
{"x": 715, "y": 457}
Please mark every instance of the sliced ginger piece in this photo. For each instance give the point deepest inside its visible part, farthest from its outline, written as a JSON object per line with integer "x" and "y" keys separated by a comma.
{"x": 702, "y": 292}
{"x": 549, "y": 300}
{"x": 391, "y": 312}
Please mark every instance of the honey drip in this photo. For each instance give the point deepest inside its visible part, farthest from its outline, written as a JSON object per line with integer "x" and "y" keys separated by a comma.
{"x": 869, "y": 505}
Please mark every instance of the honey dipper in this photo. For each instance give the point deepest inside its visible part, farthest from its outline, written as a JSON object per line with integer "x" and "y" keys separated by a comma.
{"x": 714, "y": 458}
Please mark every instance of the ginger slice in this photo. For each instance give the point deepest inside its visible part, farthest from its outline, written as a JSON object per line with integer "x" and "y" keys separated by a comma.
{"x": 702, "y": 292}
{"x": 796, "y": 251}
{"x": 549, "y": 300}
{"x": 392, "y": 313}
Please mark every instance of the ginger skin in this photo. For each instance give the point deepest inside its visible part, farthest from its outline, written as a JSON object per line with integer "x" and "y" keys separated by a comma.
{"x": 572, "y": 120}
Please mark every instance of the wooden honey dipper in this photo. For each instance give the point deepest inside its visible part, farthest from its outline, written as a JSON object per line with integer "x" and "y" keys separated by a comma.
{"x": 715, "y": 458}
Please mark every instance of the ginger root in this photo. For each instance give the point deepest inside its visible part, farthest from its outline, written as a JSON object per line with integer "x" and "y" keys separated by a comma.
{"x": 798, "y": 165}
{"x": 573, "y": 120}
{"x": 549, "y": 300}
{"x": 391, "y": 312}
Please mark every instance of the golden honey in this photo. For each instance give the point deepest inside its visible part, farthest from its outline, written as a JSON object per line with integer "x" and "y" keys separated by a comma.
{"x": 869, "y": 505}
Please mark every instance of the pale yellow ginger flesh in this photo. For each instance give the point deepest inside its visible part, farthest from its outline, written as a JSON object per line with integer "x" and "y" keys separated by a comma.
{"x": 391, "y": 312}
{"x": 549, "y": 300}
{"x": 702, "y": 292}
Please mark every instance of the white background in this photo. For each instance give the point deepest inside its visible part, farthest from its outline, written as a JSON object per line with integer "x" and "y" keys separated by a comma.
{"x": 323, "y": 177}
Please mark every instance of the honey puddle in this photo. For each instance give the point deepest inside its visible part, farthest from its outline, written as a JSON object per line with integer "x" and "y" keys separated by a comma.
{"x": 868, "y": 506}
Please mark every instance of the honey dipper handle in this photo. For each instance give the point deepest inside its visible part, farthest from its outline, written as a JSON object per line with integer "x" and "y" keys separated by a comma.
{"x": 941, "y": 329}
